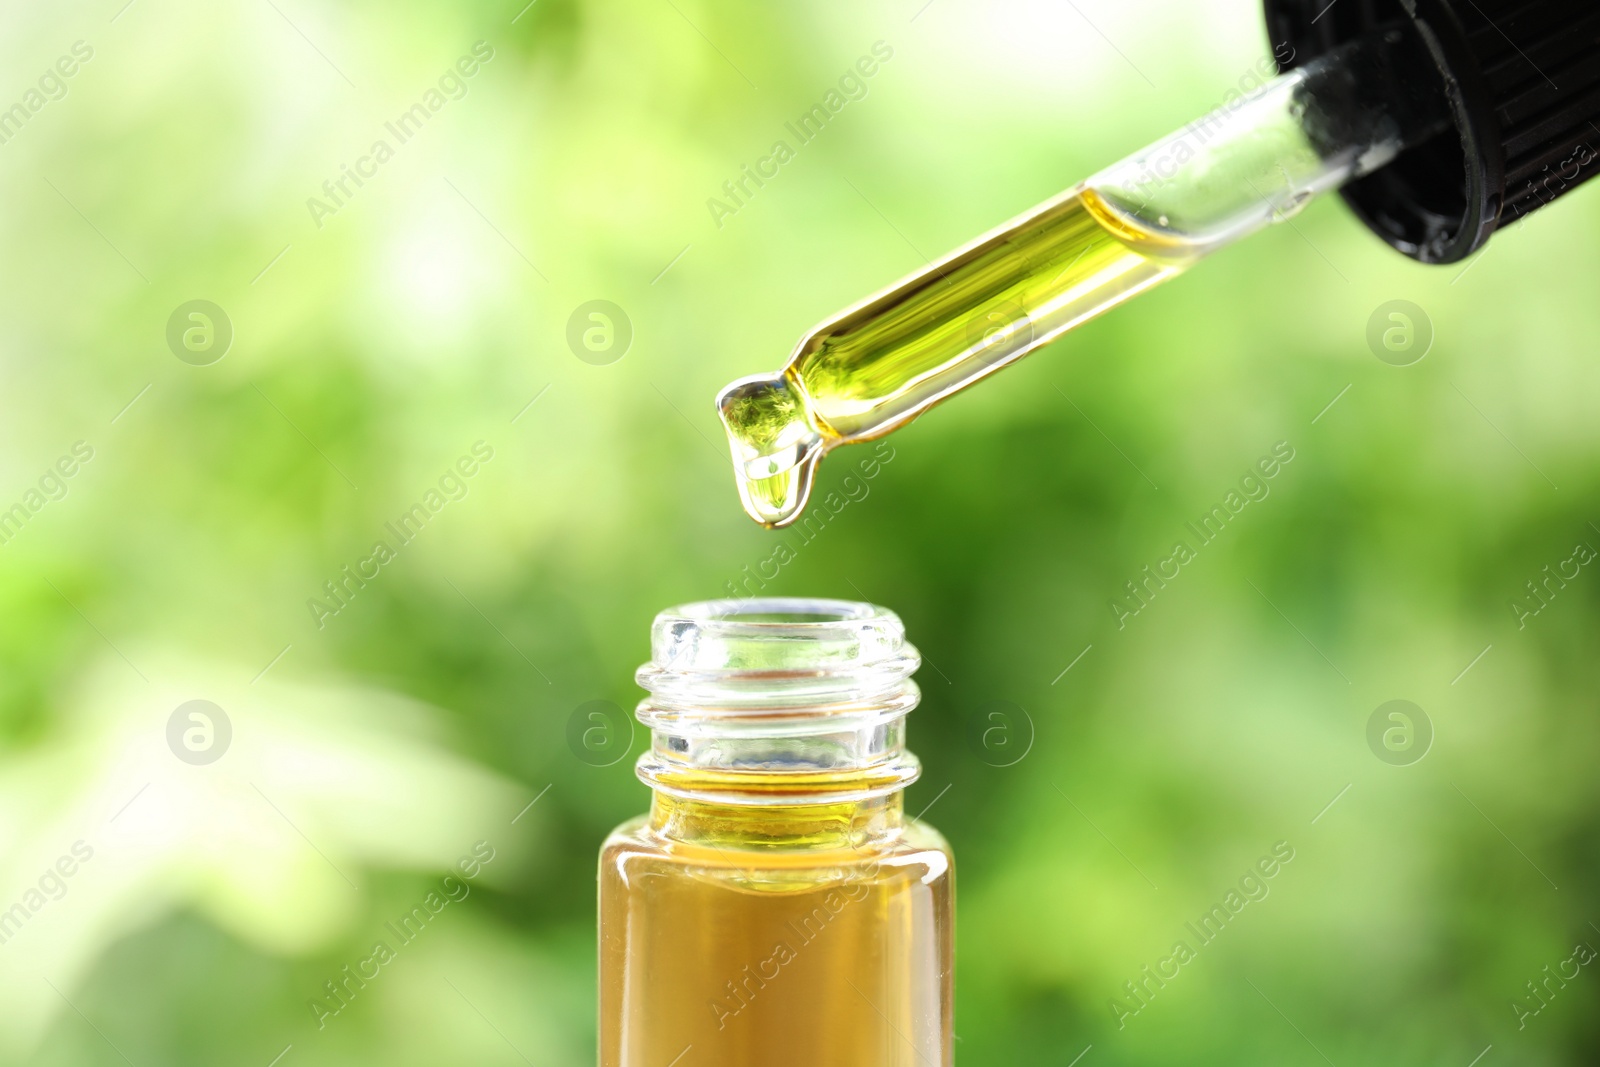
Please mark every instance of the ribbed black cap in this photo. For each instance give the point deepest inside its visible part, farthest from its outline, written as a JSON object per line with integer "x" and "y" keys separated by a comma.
{"x": 1523, "y": 80}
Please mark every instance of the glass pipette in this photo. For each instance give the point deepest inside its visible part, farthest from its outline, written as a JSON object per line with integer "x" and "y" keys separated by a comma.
{"x": 1256, "y": 161}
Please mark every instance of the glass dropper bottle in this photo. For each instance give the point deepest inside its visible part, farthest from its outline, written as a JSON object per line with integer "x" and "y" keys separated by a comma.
{"x": 777, "y": 907}
{"x": 1253, "y": 162}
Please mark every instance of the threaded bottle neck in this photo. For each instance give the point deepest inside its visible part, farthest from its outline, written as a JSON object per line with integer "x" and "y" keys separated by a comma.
{"x": 778, "y": 701}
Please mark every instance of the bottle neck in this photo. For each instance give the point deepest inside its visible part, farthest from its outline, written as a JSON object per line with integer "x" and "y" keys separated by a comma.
{"x": 778, "y": 722}
{"x": 835, "y": 825}
{"x": 839, "y": 755}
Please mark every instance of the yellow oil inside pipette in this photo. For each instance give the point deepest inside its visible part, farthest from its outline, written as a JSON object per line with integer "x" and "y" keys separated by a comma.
{"x": 1254, "y": 161}
{"x": 881, "y": 363}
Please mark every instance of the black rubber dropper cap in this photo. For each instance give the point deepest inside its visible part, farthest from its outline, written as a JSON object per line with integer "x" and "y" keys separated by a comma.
{"x": 1523, "y": 82}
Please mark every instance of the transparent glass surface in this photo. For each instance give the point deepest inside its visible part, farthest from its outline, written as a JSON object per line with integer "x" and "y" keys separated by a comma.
{"x": 775, "y": 941}
{"x": 762, "y": 700}
{"x": 776, "y": 907}
{"x": 1255, "y": 161}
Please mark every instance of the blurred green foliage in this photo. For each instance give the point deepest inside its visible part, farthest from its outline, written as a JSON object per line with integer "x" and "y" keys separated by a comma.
{"x": 372, "y": 351}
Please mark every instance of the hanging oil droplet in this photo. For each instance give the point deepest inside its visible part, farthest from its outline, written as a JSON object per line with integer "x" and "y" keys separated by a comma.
{"x": 775, "y": 445}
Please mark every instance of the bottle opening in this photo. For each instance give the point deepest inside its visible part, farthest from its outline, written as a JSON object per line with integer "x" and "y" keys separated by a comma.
{"x": 787, "y": 610}
{"x": 778, "y": 700}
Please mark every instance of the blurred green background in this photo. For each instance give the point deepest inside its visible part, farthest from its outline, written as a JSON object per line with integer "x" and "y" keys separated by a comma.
{"x": 374, "y": 345}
